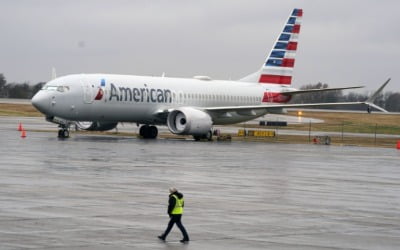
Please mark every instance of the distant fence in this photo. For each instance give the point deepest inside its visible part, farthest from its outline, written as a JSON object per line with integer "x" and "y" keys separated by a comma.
{"x": 328, "y": 133}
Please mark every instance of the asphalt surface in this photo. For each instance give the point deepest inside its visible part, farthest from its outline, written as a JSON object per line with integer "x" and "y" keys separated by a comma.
{"x": 110, "y": 192}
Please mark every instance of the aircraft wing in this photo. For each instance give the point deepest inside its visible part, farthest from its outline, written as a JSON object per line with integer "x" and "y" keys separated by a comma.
{"x": 276, "y": 107}
{"x": 270, "y": 108}
{"x": 295, "y": 92}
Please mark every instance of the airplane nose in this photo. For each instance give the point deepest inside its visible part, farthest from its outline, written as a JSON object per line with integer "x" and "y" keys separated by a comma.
{"x": 41, "y": 101}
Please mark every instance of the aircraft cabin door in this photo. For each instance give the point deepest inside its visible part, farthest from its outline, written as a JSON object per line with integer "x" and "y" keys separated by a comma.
{"x": 87, "y": 91}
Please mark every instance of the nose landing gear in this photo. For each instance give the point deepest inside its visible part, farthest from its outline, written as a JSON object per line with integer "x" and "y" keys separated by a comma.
{"x": 63, "y": 133}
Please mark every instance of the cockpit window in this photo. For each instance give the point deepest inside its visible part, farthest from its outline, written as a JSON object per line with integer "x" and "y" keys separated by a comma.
{"x": 49, "y": 87}
{"x": 58, "y": 88}
{"x": 62, "y": 88}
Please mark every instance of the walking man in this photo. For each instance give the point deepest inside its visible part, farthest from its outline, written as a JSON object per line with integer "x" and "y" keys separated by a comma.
{"x": 175, "y": 211}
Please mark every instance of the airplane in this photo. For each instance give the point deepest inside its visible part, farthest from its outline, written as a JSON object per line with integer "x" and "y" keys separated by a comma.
{"x": 187, "y": 106}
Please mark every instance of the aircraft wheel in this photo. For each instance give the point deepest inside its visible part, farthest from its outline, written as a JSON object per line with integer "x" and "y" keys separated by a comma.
{"x": 63, "y": 133}
{"x": 148, "y": 132}
{"x": 143, "y": 130}
{"x": 153, "y": 132}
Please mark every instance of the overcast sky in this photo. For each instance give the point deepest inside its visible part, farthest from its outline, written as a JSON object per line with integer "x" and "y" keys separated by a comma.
{"x": 342, "y": 42}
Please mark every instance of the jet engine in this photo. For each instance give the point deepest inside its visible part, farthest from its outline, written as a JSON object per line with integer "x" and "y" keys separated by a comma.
{"x": 189, "y": 121}
{"x": 96, "y": 126}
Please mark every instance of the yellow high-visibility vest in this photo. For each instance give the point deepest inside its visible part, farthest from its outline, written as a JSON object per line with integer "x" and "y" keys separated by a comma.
{"x": 178, "y": 209}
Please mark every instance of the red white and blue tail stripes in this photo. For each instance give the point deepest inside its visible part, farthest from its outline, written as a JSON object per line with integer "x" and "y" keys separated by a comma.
{"x": 278, "y": 67}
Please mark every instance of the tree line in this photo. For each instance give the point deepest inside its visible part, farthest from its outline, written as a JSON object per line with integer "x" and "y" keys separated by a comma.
{"x": 388, "y": 100}
{"x": 18, "y": 90}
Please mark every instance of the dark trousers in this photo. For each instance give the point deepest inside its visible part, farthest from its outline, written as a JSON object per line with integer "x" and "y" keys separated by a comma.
{"x": 176, "y": 218}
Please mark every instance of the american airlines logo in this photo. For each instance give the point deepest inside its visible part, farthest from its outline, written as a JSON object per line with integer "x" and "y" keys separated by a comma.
{"x": 145, "y": 94}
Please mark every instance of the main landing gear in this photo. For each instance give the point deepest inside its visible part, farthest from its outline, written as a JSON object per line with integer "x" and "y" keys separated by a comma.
{"x": 148, "y": 132}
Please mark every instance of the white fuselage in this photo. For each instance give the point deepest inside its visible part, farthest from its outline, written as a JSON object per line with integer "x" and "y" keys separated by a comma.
{"x": 128, "y": 98}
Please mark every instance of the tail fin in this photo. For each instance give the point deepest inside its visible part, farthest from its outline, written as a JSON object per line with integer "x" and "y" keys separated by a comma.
{"x": 278, "y": 67}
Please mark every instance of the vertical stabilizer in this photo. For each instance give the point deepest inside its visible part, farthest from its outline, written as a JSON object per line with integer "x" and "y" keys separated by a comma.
{"x": 278, "y": 66}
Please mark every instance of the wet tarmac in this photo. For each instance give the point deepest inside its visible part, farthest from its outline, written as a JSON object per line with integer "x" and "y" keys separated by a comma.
{"x": 106, "y": 192}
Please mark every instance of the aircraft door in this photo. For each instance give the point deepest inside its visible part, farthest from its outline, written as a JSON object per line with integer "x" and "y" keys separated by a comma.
{"x": 88, "y": 91}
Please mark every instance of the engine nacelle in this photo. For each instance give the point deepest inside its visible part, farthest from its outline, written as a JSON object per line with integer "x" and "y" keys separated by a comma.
{"x": 189, "y": 121}
{"x": 96, "y": 126}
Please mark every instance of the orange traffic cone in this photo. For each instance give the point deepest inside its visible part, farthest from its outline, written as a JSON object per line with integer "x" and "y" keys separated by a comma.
{"x": 23, "y": 133}
{"x": 398, "y": 145}
{"x": 20, "y": 128}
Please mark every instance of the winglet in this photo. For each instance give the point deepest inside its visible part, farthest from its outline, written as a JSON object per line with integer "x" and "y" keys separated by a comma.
{"x": 371, "y": 99}
{"x": 375, "y": 95}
